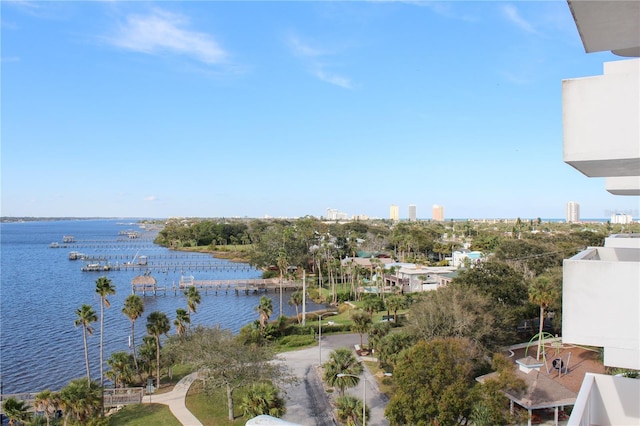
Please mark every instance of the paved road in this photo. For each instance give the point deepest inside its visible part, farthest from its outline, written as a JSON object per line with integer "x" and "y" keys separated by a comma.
{"x": 308, "y": 403}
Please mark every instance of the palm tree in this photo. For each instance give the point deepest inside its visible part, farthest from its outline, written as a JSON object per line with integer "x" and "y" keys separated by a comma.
{"x": 48, "y": 402}
{"x": 104, "y": 288}
{"x": 85, "y": 316}
{"x": 395, "y": 302}
{"x": 361, "y": 323}
{"x": 17, "y": 411}
{"x": 342, "y": 361}
{"x": 282, "y": 266}
{"x": 133, "y": 309}
{"x": 263, "y": 398}
{"x": 147, "y": 353}
{"x": 157, "y": 325}
{"x": 296, "y": 300}
{"x": 81, "y": 400}
{"x": 181, "y": 321}
{"x": 349, "y": 410}
{"x": 122, "y": 371}
{"x": 543, "y": 293}
{"x": 193, "y": 299}
{"x": 264, "y": 309}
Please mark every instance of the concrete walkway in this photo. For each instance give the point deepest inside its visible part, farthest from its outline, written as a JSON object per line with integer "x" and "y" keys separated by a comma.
{"x": 176, "y": 401}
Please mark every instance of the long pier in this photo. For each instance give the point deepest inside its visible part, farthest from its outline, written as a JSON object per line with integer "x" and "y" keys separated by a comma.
{"x": 246, "y": 286}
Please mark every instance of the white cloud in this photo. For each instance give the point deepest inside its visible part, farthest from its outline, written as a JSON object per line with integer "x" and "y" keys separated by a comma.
{"x": 162, "y": 32}
{"x": 335, "y": 79}
{"x": 512, "y": 14}
{"x": 302, "y": 49}
{"x": 151, "y": 198}
{"x": 313, "y": 58}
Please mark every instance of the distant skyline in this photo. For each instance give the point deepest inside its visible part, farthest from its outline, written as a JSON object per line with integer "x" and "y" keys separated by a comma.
{"x": 286, "y": 109}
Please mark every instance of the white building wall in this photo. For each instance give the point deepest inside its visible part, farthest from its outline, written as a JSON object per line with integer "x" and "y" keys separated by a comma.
{"x": 607, "y": 400}
{"x": 601, "y": 295}
{"x": 601, "y": 121}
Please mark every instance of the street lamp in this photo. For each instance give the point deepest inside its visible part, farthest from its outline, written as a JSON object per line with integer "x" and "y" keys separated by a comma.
{"x": 320, "y": 332}
{"x": 364, "y": 395}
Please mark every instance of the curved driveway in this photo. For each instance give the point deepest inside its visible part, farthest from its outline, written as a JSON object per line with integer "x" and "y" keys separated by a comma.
{"x": 308, "y": 403}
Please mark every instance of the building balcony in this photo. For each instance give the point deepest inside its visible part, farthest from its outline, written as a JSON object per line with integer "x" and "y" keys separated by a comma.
{"x": 601, "y": 125}
{"x": 601, "y": 296}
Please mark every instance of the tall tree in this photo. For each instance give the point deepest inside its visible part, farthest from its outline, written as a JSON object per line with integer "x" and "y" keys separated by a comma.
{"x": 47, "y": 402}
{"x": 264, "y": 309}
{"x": 226, "y": 362}
{"x": 81, "y": 401}
{"x": 342, "y": 361}
{"x": 296, "y": 300}
{"x": 458, "y": 311}
{"x": 193, "y": 300}
{"x": 122, "y": 368}
{"x": 263, "y": 398}
{"x": 283, "y": 264}
{"x": 17, "y": 411}
{"x": 181, "y": 321}
{"x": 361, "y": 323}
{"x": 435, "y": 382}
{"x": 85, "y": 315}
{"x": 133, "y": 309}
{"x": 104, "y": 288}
{"x": 394, "y": 303}
{"x": 157, "y": 325}
{"x": 349, "y": 410}
{"x": 543, "y": 293}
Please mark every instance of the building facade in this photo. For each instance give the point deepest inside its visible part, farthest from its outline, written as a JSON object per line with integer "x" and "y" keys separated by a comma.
{"x": 394, "y": 213}
{"x": 573, "y": 212}
{"x": 412, "y": 213}
{"x": 438, "y": 213}
{"x": 601, "y": 285}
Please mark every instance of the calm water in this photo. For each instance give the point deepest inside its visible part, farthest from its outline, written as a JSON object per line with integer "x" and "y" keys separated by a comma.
{"x": 40, "y": 289}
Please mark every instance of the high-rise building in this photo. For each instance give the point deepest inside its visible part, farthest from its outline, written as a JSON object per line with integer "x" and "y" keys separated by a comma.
{"x": 438, "y": 213}
{"x": 573, "y": 212}
{"x": 394, "y": 213}
{"x": 412, "y": 213}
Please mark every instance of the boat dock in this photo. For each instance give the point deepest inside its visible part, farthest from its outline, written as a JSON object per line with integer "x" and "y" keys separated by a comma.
{"x": 147, "y": 284}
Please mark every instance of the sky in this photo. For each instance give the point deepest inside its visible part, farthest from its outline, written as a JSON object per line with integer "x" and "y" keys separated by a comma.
{"x": 285, "y": 109}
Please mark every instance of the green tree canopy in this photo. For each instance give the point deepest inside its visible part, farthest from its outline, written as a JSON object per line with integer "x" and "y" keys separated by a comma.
{"x": 434, "y": 381}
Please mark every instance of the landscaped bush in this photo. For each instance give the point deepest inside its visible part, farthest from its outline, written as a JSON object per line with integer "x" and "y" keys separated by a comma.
{"x": 295, "y": 341}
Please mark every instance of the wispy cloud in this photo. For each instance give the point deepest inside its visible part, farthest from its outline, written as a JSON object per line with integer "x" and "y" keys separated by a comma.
{"x": 8, "y": 59}
{"x": 315, "y": 60}
{"x": 513, "y": 15}
{"x": 164, "y": 32}
{"x": 151, "y": 198}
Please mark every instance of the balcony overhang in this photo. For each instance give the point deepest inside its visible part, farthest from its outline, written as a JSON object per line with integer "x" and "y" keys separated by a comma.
{"x": 601, "y": 123}
{"x": 623, "y": 185}
{"x": 608, "y": 25}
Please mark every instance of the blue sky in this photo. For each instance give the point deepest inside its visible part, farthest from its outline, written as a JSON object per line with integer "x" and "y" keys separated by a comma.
{"x": 285, "y": 109}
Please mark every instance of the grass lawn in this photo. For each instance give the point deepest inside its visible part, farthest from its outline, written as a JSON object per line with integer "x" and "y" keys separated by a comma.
{"x": 143, "y": 415}
{"x": 211, "y": 408}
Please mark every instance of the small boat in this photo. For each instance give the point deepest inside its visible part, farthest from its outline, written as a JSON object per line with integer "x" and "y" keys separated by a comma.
{"x": 68, "y": 239}
{"x": 74, "y": 255}
{"x": 54, "y": 245}
{"x": 95, "y": 267}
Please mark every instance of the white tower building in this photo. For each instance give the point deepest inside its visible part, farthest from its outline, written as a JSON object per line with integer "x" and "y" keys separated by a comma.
{"x": 573, "y": 212}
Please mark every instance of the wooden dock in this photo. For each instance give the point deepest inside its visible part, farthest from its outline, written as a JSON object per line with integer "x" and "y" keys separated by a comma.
{"x": 112, "y": 397}
{"x": 148, "y": 285}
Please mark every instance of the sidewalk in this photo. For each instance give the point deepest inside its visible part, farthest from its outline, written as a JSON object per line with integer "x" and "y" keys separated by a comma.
{"x": 176, "y": 401}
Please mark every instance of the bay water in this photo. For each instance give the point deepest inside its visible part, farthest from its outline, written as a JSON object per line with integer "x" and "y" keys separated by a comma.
{"x": 40, "y": 290}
